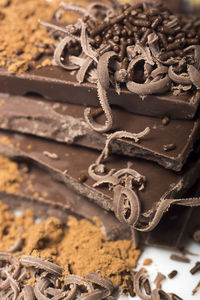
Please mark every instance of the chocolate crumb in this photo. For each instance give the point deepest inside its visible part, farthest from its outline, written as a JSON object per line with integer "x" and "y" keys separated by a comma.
{"x": 169, "y": 147}
{"x": 82, "y": 178}
{"x": 165, "y": 121}
{"x": 172, "y": 274}
{"x": 195, "y": 290}
{"x": 179, "y": 258}
{"x": 196, "y": 268}
{"x": 50, "y": 155}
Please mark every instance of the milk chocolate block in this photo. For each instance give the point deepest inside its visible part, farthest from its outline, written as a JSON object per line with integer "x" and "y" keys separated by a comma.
{"x": 64, "y": 123}
{"x": 54, "y": 83}
{"x": 155, "y": 188}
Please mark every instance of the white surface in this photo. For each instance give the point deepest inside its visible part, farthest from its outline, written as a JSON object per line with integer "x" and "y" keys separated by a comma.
{"x": 183, "y": 283}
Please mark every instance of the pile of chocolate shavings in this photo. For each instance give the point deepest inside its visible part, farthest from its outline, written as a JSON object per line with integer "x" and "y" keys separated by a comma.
{"x": 143, "y": 46}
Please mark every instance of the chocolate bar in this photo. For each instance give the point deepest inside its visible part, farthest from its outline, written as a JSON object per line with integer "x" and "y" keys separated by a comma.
{"x": 45, "y": 196}
{"x": 64, "y": 123}
{"x": 67, "y": 163}
{"x": 53, "y": 83}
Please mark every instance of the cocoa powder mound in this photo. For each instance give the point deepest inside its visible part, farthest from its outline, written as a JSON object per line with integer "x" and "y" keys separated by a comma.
{"x": 79, "y": 248}
{"x": 22, "y": 38}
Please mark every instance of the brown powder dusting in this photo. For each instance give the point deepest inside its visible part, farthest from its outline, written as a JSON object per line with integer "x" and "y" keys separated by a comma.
{"x": 21, "y": 35}
{"x": 10, "y": 177}
{"x": 79, "y": 248}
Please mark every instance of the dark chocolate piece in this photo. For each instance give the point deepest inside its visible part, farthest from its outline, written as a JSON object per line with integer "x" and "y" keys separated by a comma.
{"x": 64, "y": 123}
{"x": 73, "y": 161}
{"x": 54, "y": 83}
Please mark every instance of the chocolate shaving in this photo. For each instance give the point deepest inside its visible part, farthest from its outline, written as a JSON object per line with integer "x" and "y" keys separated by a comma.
{"x": 38, "y": 263}
{"x": 195, "y": 290}
{"x": 126, "y": 205}
{"x": 172, "y": 274}
{"x": 194, "y": 75}
{"x": 103, "y": 282}
{"x": 180, "y": 258}
{"x": 28, "y": 292}
{"x": 58, "y": 55}
{"x": 158, "y": 280}
{"x": 181, "y": 79}
{"x": 106, "y": 108}
{"x": 140, "y": 276}
{"x": 16, "y": 247}
{"x": 80, "y": 76}
{"x": 87, "y": 49}
{"x": 119, "y": 135}
{"x": 162, "y": 207}
{"x": 144, "y": 89}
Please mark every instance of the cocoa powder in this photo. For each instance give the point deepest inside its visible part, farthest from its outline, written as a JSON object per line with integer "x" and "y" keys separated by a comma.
{"x": 79, "y": 248}
{"x": 22, "y": 38}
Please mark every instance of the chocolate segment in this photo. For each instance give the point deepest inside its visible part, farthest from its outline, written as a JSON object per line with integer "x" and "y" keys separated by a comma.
{"x": 53, "y": 83}
{"x": 64, "y": 123}
{"x": 67, "y": 163}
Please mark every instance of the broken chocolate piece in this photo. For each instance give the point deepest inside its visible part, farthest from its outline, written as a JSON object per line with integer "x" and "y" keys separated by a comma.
{"x": 152, "y": 197}
{"x": 54, "y": 83}
{"x": 64, "y": 123}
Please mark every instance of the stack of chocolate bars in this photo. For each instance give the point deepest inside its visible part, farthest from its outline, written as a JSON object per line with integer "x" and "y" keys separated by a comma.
{"x": 134, "y": 162}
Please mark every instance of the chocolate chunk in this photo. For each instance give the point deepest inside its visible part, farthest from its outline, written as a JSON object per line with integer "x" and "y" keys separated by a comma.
{"x": 65, "y": 123}
{"x": 54, "y": 83}
{"x": 77, "y": 160}
{"x": 172, "y": 274}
